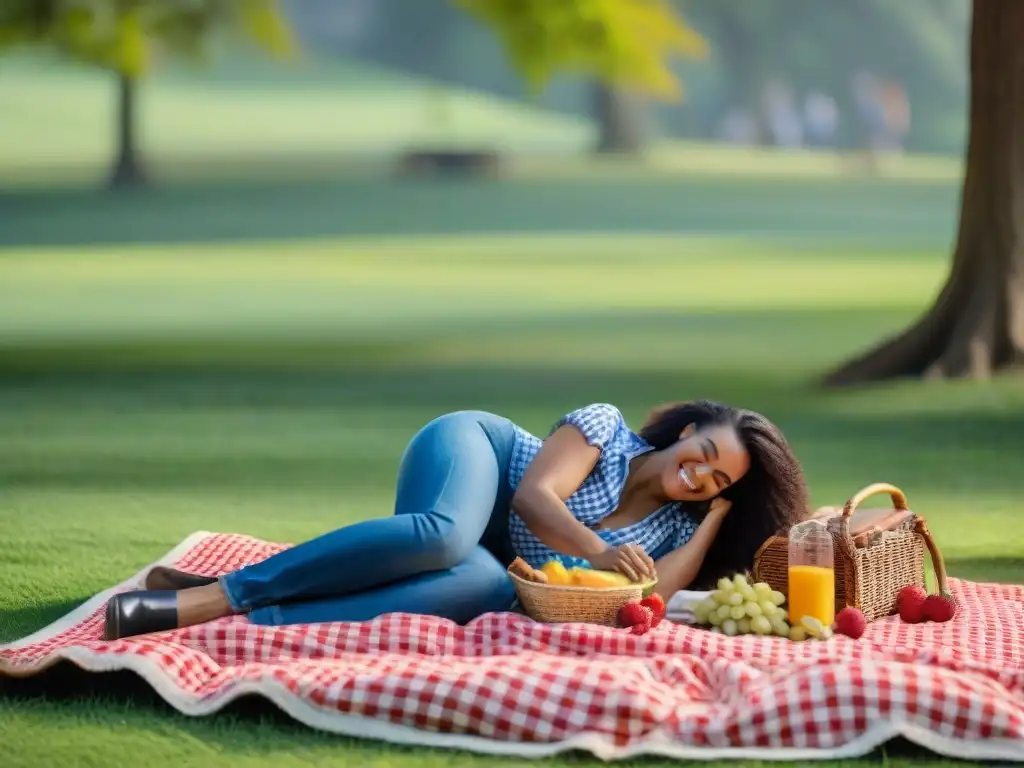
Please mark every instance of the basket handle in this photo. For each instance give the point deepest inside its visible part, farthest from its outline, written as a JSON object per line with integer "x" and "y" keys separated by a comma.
{"x": 899, "y": 500}
{"x": 921, "y": 528}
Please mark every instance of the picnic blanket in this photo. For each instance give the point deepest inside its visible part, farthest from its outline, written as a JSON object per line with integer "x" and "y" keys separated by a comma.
{"x": 507, "y": 685}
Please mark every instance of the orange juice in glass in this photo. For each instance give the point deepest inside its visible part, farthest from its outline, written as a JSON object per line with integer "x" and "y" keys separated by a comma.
{"x": 812, "y": 577}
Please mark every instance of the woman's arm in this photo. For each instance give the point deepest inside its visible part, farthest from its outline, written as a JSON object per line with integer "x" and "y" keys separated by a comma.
{"x": 679, "y": 568}
{"x": 559, "y": 468}
{"x": 564, "y": 461}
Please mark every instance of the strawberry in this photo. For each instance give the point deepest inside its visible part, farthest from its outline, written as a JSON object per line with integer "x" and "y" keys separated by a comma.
{"x": 645, "y": 626}
{"x": 851, "y": 622}
{"x": 910, "y": 602}
{"x": 656, "y": 603}
{"x": 939, "y": 608}
{"x": 638, "y": 618}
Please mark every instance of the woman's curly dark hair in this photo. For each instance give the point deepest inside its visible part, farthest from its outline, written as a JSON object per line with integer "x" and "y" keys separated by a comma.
{"x": 767, "y": 500}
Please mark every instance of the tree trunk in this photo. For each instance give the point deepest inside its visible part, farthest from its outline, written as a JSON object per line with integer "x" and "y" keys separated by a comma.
{"x": 976, "y": 325}
{"x": 621, "y": 120}
{"x": 127, "y": 170}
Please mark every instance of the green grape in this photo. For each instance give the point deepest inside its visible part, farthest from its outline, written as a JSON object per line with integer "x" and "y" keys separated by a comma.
{"x": 725, "y": 584}
{"x": 748, "y": 593}
{"x": 752, "y": 609}
{"x": 729, "y": 627}
{"x": 724, "y": 612}
{"x": 743, "y": 626}
{"x": 763, "y": 590}
{"x": 761, "y": 625}
{"x": 714, "y": 619}
{"x": 709, "y": 605}
{"x": 739, "y": 581}
{"x": 737, "y": 612}
{"x": 777, "y": 597}
{"x": 735, "y": 598}
{"x": 797, "y": 634}
{"x": 700, "y": 613}
{"x": 768, "y": 608}
{"x": 720, "y": 596}
{"x": 779, "y": 627}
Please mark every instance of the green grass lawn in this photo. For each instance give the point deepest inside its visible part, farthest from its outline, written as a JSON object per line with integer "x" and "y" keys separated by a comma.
{"x": 269, "y": 386}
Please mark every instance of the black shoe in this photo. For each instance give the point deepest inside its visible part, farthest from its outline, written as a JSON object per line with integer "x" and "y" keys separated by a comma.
{"x": 163, "y": 577}
{"x": 139, "y": 613}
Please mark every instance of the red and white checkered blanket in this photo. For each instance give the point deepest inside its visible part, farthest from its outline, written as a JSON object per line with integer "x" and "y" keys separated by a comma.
{"x": 508, "y": 685}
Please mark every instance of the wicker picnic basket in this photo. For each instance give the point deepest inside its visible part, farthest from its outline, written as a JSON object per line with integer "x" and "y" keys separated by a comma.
{"x": 876, "y": 553}
{"x": 558, "y": 603}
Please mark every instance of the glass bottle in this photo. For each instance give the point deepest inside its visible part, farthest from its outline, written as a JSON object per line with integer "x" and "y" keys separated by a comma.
{"x": 812, "y": 580}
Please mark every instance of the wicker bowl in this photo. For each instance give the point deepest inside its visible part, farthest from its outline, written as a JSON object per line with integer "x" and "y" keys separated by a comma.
{"x": 562, "y": 603}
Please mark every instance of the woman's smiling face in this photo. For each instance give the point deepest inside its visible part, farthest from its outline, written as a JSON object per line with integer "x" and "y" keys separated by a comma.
{"x": 703, "y": 463}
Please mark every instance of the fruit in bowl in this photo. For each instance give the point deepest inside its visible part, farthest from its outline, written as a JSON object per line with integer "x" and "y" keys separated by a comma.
{"x": 555, "y": 573}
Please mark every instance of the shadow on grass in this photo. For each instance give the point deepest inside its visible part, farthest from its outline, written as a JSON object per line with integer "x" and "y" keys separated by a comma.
{"x": 22, "y": 621}
{"x": 220, "y": 212}
{"x": 66, "y": 689}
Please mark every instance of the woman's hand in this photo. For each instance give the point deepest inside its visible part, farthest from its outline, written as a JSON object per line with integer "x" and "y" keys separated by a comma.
{"x": 720, "y": 507}
{"x": 629, "y": 559}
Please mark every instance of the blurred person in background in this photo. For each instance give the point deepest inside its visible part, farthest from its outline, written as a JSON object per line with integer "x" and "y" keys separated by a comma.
{"x": 896, "y": 115}
{"x": 781, "y": 115}
{"x": 821, "y": 120}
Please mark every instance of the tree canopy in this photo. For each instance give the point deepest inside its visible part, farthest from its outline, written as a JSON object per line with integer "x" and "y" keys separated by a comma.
{"x": 622, "y": 43}
{"x": 126, "y": 36}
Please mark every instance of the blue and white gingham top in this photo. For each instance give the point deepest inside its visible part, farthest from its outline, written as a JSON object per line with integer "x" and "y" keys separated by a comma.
{"x": 603, "y": 425}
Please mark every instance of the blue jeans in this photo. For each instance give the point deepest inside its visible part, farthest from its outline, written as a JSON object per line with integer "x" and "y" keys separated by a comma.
{"x": 443, "y": 553}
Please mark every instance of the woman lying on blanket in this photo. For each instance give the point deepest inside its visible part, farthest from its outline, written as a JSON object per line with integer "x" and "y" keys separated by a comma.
{"x": 689, "y": 497}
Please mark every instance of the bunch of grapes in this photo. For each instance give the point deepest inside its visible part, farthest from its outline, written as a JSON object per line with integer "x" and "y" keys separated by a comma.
{"x": 738, "y": 607}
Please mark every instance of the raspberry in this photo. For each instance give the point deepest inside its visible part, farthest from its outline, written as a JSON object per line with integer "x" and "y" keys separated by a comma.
{"x": 638, "y": 618}
{"x": 939, "y": 608}
{"x": 851, "y": 622}
{"x": 655, "y": 602}
{"x": 910, "y": 601}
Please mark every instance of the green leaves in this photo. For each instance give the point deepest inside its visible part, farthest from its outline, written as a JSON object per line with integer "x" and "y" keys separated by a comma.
{"x": 621, "y": 42}
{"x": 128, "y": 35}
